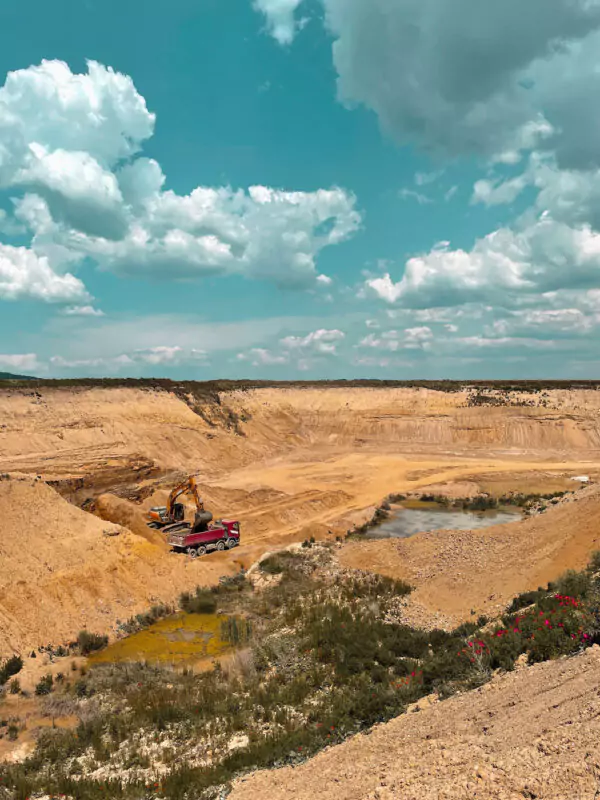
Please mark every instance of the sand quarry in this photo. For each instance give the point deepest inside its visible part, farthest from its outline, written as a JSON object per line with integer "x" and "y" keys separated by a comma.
{"x": 81, "y": 465}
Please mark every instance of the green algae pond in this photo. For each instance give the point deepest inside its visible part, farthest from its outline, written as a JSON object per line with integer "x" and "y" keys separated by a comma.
{"x": 178, "y": 640}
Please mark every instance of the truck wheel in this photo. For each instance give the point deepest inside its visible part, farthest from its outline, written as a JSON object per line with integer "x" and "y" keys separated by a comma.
{"x": 192, "y": 552}
{"x": 202, "y": 550}
{"x": 221, "y": 545}
{"x": 231, "y": 543}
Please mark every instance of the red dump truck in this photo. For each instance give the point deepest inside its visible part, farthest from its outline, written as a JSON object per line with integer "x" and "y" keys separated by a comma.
{"x": 224, "y": 534}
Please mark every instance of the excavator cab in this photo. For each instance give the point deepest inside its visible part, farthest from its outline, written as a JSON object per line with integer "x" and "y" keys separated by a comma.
{"x": 161, "y": 516}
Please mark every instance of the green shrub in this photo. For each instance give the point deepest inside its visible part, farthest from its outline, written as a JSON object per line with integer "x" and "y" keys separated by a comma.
{"x": 594, "y": 563}
{"x": 44, "y": 685}
{"x": 202, "y": 602}
{"x": 271, "y": 566}
{"x": 90, "y": 642}
{"x": 526, "y": 599}
{"x": 14, "y": 686}
{"x": 576, "y": 584}
{"x": 12, "y": 666}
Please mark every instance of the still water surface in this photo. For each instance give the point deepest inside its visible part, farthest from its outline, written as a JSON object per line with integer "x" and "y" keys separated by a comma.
{"x": 407, "y": 522}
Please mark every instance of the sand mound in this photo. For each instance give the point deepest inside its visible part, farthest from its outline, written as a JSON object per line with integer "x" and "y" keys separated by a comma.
{"x": 64, "y": 569}
{"x": 129, "y": 515}
{"x": 533, "y": 733}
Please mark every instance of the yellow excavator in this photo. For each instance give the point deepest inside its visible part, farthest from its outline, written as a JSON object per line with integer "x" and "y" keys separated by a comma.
{"x": 160, "y": 516}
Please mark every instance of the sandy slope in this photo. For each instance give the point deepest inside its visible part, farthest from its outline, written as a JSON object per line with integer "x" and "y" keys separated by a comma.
{"x": 300, "y": 462}
{"x": 64, "y": 569}
{"x": 458, "y": 572}
{"x": 530, "y": 734}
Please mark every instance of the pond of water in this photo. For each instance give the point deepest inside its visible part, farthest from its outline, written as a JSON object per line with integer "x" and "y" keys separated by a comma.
{"x": 178, "y": 640}
{"x": 407, "y": 522}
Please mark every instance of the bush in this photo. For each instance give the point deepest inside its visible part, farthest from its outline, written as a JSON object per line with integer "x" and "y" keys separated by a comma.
{"x": 12, "y": 666}
{"x": 14, "y": 686}
{"x": 594, "y": 563}
{"x": 82, "y": 689}
{"x": 575, "y": 584}
{"x": 44, "y": 686}
{"x": 202, "y": 602}
{"x": 526, "y": 599}
{"x": 90, "y": 642}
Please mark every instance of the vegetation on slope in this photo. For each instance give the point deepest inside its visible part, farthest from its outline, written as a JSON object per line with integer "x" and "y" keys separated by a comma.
{"x": 9, "y": 376}
{"x": 329, "y": 656}
{"x": 485, "y": 392}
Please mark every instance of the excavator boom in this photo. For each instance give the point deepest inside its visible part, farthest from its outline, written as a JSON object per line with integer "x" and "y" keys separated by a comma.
{"x": 159, "y": 516}
{"x": 188, "y": 486}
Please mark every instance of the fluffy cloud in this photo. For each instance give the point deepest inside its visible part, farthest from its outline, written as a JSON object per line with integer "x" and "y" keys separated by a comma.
{"x": 79, "y": 192}
{"x": 393, "y": 340}
{"x": 69, "y": 142}
{"x": 547, "y": 323}
{"x": 87, "y": 364}
{"x": 261, "y": 233}
{"x": 27, "y": 361}
{"x": 499, "y": 82}
{"x": 162, "y": 355}
{"x": 543, "y": 256}
{"x": 159, "y": 355}
{"x": 410, "y": 194}
{"x": 23, "y": 273}
{"x": 306, "y": 349}
{"x": 280, "y": 18}
{"x": 321, "y": 341}
{"x": 99, "y": 113}
{"x": 82, "y": 311}
{"x": 259, "y": 356}
{"x": 463, "y": 75}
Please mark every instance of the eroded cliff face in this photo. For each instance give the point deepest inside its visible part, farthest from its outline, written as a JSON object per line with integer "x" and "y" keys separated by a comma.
{"x": 287, "y": 462}
{"x": 81, "y": 431}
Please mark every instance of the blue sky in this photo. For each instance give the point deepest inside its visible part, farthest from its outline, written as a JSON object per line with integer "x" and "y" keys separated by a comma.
{"x": 428, "y": 198}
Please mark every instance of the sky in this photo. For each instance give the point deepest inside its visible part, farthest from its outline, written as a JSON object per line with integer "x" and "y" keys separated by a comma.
{"x": 300, "y": 189}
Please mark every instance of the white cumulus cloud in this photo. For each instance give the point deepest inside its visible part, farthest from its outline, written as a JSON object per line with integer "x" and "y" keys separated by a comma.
{"x": 321, "y": 341}
{"x": 26, "y": 361}
{"x": 70, "y": 142}
{"x": 25, "y": 274}
{"x": 280, "y": 18}
{"x": 260, "y": 356}
{"x": 82, "y": 311}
